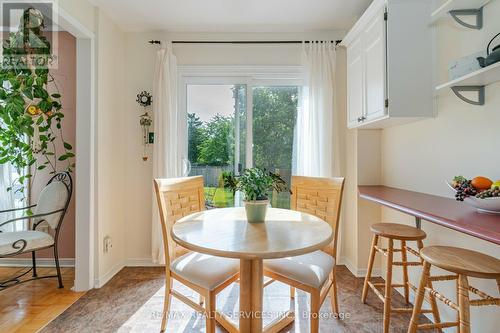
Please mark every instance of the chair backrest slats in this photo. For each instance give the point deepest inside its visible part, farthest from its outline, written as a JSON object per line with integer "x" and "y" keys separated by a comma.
{"x": 321, "y": 197}
{"x": 177, "y": 197}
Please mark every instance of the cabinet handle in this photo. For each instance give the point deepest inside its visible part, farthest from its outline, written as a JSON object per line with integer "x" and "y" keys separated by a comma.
{"x": 360, "y": 119}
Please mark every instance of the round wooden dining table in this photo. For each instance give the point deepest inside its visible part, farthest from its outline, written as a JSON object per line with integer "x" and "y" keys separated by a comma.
{"x": 225, "y": 232}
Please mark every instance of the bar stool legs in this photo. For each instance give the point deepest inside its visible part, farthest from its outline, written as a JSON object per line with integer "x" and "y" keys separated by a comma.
{"x": 432, "y": 299}
{"x": 370, "y": 268}
{"x": 403, "y": 234}
{"x": 463, "y": 304}
{"x": 388, "y": 286}
{"x": 419, "y": 299}
{"x": 406, "y": 287}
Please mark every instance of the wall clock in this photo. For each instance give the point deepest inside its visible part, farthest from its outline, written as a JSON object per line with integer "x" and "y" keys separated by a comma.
{"x": 144, "y": 99}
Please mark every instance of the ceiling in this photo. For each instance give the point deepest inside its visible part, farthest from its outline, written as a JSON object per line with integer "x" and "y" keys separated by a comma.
{"x": 233, "y": 15}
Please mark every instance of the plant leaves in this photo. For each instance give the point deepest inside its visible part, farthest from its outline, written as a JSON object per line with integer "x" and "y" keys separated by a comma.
{"x": 66, "y": 156}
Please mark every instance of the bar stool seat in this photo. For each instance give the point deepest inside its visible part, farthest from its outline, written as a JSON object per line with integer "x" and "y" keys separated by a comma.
{"x": 397, "y": 231}
{"x": 462, "y": 261}
{"x": 464, "y": 264}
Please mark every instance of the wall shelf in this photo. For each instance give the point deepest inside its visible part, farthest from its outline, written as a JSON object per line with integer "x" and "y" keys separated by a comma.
{"x": 473, "y": 81}
{"x": 461, "y": 7}
{"x": 481, "y": 77}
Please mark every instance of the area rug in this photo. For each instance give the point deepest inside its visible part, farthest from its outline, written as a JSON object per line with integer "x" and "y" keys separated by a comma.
{"x": 132, "y": 302}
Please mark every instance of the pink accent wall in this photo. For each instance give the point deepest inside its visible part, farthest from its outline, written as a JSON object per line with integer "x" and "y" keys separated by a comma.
{"x": 65, "y": 79}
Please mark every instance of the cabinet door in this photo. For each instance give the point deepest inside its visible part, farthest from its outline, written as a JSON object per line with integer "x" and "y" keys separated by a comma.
{"x": 355, "y": 83}
{"x": 375, "y": 69}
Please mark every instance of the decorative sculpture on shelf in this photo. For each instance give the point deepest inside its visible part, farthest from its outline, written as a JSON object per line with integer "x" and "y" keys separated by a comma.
{"x": 145, "y": 120}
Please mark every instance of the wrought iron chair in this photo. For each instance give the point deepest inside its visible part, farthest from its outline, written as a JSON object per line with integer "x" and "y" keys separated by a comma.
{"x": 51, "y": 208}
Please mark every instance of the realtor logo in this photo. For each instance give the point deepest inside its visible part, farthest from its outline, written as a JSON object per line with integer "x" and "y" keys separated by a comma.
{"x": 29, "y": 34}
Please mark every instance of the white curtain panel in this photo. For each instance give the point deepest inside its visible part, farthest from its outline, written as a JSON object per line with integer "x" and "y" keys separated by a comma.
{"x": 316, "y": 145}
{"x": 167, "y": 155}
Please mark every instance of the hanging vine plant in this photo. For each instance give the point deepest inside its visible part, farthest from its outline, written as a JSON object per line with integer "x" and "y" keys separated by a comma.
{"x": 30, "y": 105}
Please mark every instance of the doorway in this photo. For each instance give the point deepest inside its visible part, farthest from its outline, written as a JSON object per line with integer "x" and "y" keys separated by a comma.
{"x": 84, "y": 195}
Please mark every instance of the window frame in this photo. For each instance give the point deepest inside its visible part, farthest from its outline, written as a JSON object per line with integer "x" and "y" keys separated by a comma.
{"x": 251, "y": 76}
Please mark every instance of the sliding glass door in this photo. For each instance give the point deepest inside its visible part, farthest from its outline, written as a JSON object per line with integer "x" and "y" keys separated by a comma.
{"x": 216, "y": 120}
{"x": 236, "y": 126}
{"x": 274, "y": 117}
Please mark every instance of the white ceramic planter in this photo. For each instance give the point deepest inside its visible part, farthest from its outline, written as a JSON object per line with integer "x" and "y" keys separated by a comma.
{"x": 256, "y": 210}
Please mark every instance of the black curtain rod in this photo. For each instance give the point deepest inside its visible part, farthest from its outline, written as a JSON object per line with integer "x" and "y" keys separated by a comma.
{"x": 238, "y": 42}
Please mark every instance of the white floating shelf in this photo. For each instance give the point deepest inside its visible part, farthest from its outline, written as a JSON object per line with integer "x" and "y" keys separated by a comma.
{"x": 482, "y": 77}
{"x": 448, "y": 5}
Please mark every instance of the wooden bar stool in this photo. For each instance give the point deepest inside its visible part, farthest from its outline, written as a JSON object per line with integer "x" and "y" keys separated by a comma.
{"x": 402, "y": 233}
{"x": 463, "y": 263}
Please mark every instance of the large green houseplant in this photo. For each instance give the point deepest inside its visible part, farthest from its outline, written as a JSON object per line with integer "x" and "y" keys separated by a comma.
{"x": 256, "y": 184}
{"x": 30, "y": 105}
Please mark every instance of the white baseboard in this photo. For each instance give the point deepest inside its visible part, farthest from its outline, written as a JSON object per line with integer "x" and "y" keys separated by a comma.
{"x": 141, "y": 262}
{"x": 357, "y": 272}
{"x": 40, "y": 262}
{"x": 102, "y": 280}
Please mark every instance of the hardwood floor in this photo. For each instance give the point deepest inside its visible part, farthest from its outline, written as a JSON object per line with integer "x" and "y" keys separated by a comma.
{"x": 30, "y": 306}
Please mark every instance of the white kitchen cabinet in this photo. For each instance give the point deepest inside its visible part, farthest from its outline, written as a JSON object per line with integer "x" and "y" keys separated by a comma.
{"x": 355, "y": 68}
{"x": 389, "y": 65}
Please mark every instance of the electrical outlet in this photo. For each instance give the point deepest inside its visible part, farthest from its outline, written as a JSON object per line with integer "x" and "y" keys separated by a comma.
{"x": 107, "y": 244}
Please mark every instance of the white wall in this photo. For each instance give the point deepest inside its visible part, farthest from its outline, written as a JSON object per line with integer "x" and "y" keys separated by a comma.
{"x": 110, "y": 147}
{"x": 81, "y": 10}
{"x": 462, "y": 139}
{"x": 139, "y": 60}
{"x": 363, "y": 167}
{"x": 109, "y": 166}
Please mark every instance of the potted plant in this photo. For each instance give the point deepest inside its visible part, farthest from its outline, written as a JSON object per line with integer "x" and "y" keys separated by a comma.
{"x": 255, "y": 184}
{"x": 30, "y": 106}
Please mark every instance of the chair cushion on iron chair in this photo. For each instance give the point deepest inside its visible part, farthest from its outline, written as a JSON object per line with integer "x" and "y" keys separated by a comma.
{"x": 205, "y": 270}
{"x": 311, "y": 269}
{"x": 53, "y": 197}
{"x": 34, "y": 239}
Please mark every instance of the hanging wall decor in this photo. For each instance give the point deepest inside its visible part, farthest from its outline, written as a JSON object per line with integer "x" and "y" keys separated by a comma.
{"x": 145, "y": 120}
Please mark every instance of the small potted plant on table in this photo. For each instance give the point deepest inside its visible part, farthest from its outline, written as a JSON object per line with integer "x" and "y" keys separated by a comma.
{"x": 255, "y": 184}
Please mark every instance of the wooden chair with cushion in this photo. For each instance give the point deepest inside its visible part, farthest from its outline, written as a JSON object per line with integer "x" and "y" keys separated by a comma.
{"x": 205, "y": 274}
{"x": 313, "y": 272}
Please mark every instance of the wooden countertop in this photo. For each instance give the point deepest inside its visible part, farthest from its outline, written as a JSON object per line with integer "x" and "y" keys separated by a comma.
{"x": 446, "y": 212}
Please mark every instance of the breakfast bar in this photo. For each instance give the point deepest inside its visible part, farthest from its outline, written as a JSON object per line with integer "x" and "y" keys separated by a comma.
{"x": 443, "y": 211}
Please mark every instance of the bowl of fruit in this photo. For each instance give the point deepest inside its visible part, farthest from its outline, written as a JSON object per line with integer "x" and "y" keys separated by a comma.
{"x": 479, "y": 192}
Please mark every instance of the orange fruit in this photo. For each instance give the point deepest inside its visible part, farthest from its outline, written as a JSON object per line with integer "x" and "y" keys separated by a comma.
{"x": 481, "y": 183}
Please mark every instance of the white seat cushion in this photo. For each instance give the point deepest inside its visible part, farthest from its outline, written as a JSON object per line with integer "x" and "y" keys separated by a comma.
{"x": 53, "y": 197}
{"x": 205, "y": 270}
{"x": 34, "y": 239}
{"x": 310, "y": 269}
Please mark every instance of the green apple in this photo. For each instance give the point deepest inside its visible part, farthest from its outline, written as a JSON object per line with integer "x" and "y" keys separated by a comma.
{"x": 495, "y": 184}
